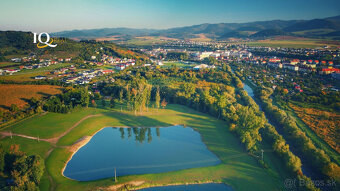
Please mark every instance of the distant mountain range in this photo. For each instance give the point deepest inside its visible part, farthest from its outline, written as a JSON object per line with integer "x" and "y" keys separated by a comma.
{"x": 316, "y": 28}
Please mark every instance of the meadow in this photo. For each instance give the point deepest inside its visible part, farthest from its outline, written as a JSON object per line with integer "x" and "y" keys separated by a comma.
{"x": 238, "y": 169}
{"x": 325, "y": 124}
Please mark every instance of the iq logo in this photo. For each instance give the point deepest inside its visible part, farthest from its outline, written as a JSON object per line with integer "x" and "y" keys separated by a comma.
{"x": 45, "y": 43}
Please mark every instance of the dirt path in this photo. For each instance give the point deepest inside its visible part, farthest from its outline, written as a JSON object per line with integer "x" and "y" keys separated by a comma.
{"x": 56, "y": 139}
{"x": 53, "y": 140}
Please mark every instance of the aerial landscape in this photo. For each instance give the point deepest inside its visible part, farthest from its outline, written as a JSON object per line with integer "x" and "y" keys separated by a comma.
{"x": 157, "y": 95}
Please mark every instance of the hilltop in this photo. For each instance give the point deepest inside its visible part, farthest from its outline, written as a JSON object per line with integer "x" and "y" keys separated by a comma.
{"x": 315, "y": 28}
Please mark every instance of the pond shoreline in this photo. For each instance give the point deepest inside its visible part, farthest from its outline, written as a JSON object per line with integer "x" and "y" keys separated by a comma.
{"x": 139, "y": 185}
{"x": 77, "y": 145}
{"x": 182, "y": 184}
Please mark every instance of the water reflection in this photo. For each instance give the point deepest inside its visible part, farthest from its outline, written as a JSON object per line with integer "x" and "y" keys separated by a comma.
{"x": 142, "y": 135}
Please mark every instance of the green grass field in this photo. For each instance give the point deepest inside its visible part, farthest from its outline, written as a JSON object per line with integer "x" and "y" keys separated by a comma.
{"x": 238, "y": 169}
{"x": 43, "y": 127}
{"x": 178, "y": 64}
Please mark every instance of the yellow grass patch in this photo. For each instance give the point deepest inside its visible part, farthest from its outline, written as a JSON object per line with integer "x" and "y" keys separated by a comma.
{"x": 324, "y": 124}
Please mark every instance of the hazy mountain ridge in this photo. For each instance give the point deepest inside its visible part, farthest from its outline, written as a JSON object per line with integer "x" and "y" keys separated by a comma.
{"x": 327, "y": 27}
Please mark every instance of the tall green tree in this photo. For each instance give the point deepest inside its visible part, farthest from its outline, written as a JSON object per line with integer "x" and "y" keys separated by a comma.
{"x": 14, "y": 108}
{"x": 103, "y": 103}
{"x": 121, "y": 94}
{"x": 112, "y": 102}
{"x": 157, "y": 98}
{"x": 2, "y": 158}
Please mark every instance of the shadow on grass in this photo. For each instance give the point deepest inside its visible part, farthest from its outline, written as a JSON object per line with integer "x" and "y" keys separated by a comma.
{"x": 44, "y": 94}
{"x": 4, "y": 107}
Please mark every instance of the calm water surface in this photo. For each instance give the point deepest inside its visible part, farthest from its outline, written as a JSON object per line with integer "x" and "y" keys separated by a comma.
{"x": 139, "y": 151}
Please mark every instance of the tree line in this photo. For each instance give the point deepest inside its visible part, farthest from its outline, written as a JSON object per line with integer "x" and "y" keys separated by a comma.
{"x": 318, "y": 159}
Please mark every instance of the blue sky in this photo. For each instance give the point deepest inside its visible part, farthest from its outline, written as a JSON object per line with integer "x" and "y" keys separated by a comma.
{"x": 57, "y": 15}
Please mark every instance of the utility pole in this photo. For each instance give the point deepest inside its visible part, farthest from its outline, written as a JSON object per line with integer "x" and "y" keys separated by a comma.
{"x": 11, "y": 134}
{"x": 115, "y": 175}
{"x": 38, "y": 138}
{"x": 262, "y": 153}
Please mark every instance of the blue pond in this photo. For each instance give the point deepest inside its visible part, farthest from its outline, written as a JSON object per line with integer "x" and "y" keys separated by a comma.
{"x": 192, "y": 187}
{"x": 139, "y": 151}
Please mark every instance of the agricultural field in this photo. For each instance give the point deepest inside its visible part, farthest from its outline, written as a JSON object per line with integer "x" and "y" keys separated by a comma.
{"x": 27, "y": 75}
{"x": 19, "y": 94}
{"x": 238, "y": 169}
{"x": 7, "y": 64}
{"x": 325, "y": 124}
{"x": 201, "y": 38}
{"x": 148, "y": 40}
{"x": 294, "y": 43}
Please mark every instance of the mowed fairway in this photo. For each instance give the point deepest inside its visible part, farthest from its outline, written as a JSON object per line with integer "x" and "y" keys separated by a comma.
{"x": 238, "y": 169}
{"x": 20, "y": 94}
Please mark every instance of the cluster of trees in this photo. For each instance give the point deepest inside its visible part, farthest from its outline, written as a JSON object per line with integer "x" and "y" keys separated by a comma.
{"x": 319, "y": 160}
{"x": 210, "y": 60}
{"x": 177, "y": 56}
{"x": 16, "y": 39}
{"x": 136, "y": 93}
{"x": 16, "y": 113}
{"x": 24, "y": 171}
{"x": 331, "y": 99}
{"x": 65, "y": 102}
{"x": 221, "y": 101}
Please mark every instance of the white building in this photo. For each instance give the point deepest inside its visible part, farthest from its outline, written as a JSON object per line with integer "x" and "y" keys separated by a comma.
{"x": 203, "y": 66}
{"x": 291, "y": 67}
{"x": 202, "y": 55}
